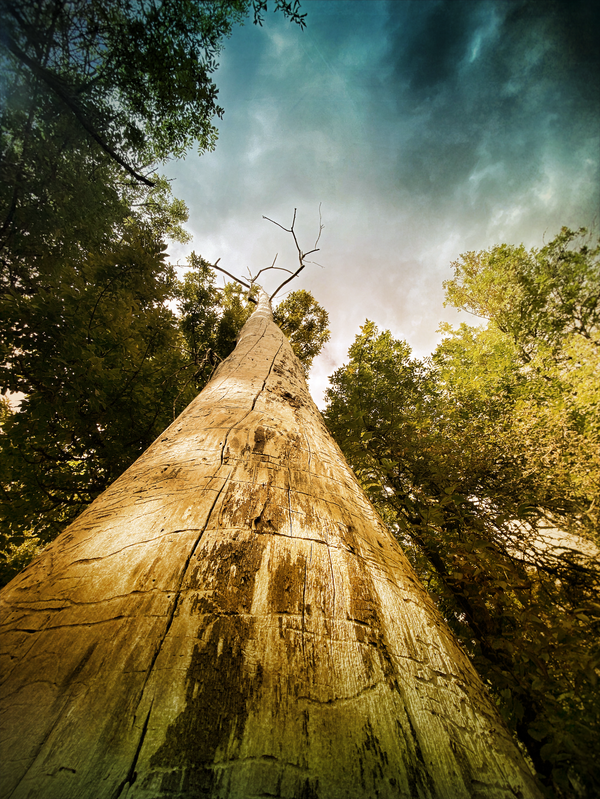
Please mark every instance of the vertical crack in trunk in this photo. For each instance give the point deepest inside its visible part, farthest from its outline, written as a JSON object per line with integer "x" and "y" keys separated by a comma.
{"x": 267, "y": 377}
{"x": 132, "y": 774}
{"x": 178, "y": 591}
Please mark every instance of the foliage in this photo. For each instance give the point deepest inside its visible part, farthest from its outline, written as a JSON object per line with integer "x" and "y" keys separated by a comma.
{"x": 304, "y": 322}
{"x": 135, "y": 76}
{"x": 94, "y": 94}
{"x": 484, "y": 460}
{"x": 544, "y": 308}
{"x": 537, "y": 297}
{"x": 95, "y": 352}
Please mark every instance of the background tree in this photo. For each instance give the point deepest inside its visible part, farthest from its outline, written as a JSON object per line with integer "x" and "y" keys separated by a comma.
{"x": 76, "y": 59}
{"x": 544, "y": 307}
{"x": 304, "y": 322}
{"x": 470, "y": 457}
{"x": 539, "y": 298}
{"x": 95, "y": 96}
{"x": 96, "y": 355}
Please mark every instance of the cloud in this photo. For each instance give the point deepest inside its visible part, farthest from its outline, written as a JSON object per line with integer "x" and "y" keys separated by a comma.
{"x": 424, "y": 127}
{"x": 484, "y": 91}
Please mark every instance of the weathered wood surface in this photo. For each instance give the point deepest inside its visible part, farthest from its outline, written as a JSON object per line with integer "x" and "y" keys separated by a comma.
{"x": 232, "y": 619}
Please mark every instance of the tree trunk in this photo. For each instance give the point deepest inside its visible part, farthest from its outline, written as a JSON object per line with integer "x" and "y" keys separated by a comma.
{"x": 232, "y": 619}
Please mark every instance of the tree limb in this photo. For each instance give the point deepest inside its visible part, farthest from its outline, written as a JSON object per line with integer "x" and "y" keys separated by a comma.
{"x": 301, "y": 255}
{"x": 233, "y": 277}
{"x": 58, "y": 87}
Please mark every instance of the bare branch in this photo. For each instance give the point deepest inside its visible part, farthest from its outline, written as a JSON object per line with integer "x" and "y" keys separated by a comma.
{"x": 233, "y": 277}
{"x": 266, "y": 269}
{"x": 278, "y": 268}
{"x": 301, "y": 255}
{"x": 277, "y": 223}
{"x": 301, "y": 260}
{"x": 285, "y": 282}
{"x": 321, "y": 226}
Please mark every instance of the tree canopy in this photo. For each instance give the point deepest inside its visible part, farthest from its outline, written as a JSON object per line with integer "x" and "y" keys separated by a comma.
{"x": 137, "y": 77}
{"x": 96, "y": 96}
{"x": 537, "y": 297}
{"x": 99, "y": 338}
{"x": 484, "y": 459}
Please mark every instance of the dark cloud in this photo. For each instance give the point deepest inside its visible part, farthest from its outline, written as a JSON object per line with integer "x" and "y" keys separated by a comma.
{"x": 427, "y": 41}
{"x": 430, "y": 41}
{"x": 480, "y": 83}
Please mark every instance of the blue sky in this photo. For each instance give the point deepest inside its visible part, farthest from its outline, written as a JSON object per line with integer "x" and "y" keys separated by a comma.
{"x": 424, "y": 128}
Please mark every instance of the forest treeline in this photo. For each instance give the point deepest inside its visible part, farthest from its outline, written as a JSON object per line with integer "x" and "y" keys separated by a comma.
{"x": 483, "y": 459}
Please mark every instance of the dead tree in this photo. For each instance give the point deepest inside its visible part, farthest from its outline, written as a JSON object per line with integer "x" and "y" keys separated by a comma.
{"x": 232, "y": 619}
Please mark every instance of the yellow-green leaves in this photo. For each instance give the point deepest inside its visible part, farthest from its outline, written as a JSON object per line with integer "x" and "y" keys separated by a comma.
{"x": 472, "y": 457}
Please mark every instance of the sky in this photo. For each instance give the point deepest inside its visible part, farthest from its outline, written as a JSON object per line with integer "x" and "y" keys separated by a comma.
{"x": 421, "y": 129}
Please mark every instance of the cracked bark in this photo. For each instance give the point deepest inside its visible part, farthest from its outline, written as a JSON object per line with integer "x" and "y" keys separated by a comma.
{"x": 231, "y": 619}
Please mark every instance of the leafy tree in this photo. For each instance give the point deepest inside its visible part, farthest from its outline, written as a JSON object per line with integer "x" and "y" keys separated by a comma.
{"x": 95, "y": 354}
{"x": 537, "y": 297}
{"x": 543, "y": 306}
{"x": 87, "y": 336}
{"x": 304, "y": 322}
{"x": 137, "y": 77}
{"x": 471, "y": 457}
{"x": 82, "y": 118}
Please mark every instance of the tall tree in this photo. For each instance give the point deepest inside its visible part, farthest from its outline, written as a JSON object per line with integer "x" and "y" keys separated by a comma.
{"x": 232, "y": 619}
{"x": 212, "y": 319}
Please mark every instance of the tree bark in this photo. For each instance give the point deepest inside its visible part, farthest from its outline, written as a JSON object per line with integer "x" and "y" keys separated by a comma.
{"x": 232, "y": 619}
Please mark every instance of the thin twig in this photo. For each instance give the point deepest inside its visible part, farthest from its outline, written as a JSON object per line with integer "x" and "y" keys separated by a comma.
{"x": 233, "y": 277}
{"x": 266, "y": 269}
{"x": 321, "y": 226}
{"x": 277, "y": 223}
{"x": 301, "y": 255}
